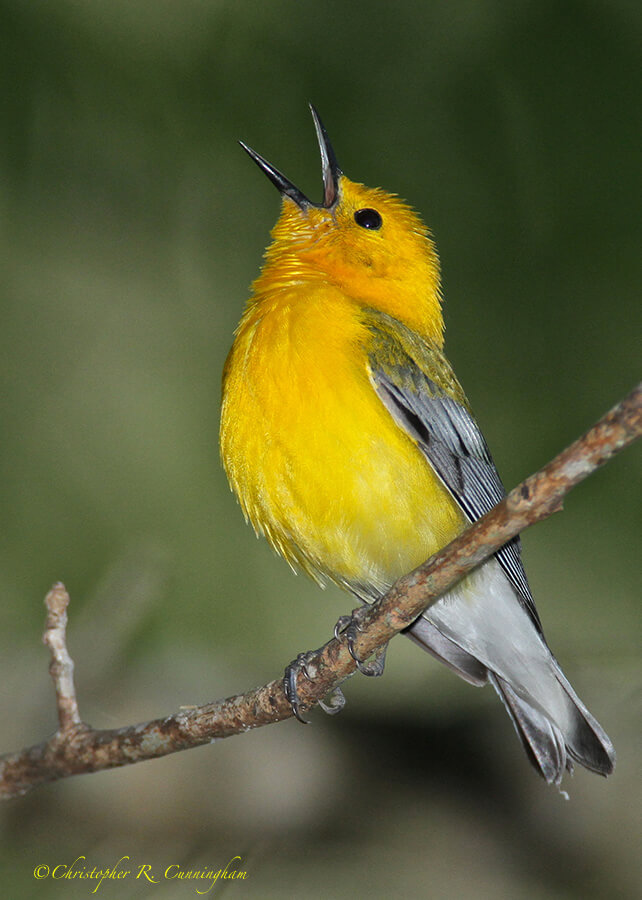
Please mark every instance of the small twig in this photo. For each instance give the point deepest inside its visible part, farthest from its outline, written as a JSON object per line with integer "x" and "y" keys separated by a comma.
{"x": 77, "y": 749}
{"x": 61, "y": 667}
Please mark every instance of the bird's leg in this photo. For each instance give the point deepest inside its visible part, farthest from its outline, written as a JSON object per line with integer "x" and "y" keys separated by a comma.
{"x": 349, "y": 625}
{"x": 335, "y": 700}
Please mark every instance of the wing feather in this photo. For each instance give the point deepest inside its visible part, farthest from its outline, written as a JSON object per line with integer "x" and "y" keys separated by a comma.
{"x": 418, "y": 387}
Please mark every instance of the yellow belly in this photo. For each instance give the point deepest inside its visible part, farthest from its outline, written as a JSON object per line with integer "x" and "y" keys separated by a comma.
{"x": 317, "y": 462}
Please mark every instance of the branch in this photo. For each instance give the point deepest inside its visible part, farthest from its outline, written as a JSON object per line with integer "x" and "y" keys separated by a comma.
{"x": 77, "y": 748}
{"x": 61, "y": 667}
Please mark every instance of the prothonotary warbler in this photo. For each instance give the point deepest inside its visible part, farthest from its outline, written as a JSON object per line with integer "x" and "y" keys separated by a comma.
{"x": 351, "y": 446}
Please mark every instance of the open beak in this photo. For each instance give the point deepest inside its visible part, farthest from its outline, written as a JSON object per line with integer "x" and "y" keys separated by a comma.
{"x": 330, "y": 170}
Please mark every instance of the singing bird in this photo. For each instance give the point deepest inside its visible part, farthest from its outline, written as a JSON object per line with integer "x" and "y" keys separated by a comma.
{"x": 351, "y": 446}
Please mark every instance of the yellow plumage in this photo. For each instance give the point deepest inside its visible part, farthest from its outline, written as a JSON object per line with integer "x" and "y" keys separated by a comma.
{"x": 317, "y": 462}
{"x": 350, "y": 444}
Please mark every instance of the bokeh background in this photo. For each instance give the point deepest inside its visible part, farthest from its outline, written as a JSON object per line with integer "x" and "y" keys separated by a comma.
{"x": 131, "y": 227}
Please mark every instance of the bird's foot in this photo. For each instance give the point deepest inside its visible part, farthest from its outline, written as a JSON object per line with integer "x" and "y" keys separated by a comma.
{"x": 332, "y": 704}
{"x": 349, "y": 626}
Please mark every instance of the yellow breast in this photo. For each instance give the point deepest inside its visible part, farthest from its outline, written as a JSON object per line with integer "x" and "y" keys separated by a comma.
{"x": 315, "y": 459}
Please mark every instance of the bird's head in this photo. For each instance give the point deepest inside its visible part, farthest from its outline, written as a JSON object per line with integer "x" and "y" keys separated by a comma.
{"x": 366, "y": 241}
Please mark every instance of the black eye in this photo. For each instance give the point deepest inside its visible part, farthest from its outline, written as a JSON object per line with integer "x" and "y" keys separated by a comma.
{"x": 368, "y": 218}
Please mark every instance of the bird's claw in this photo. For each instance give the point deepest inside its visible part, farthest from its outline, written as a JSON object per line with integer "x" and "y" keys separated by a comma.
{"x": 342, "y": 623}
{"x": 349, "y": 626}
{"x": 300, "y": 664}
{"x": 334, "y": 702}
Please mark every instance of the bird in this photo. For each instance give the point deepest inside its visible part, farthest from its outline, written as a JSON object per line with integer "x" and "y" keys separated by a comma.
{"x": 351, "y": 446}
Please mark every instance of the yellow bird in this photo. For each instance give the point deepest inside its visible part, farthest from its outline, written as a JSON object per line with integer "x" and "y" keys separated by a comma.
{"x": 351, "y": 446}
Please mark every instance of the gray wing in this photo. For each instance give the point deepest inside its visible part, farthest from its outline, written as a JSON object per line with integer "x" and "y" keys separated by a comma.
{"x": 448, "y": 436}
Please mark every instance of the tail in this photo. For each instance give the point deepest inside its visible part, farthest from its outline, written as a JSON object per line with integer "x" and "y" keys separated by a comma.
{"x": 482, "y": 632}
{"x": 550, "y": 749}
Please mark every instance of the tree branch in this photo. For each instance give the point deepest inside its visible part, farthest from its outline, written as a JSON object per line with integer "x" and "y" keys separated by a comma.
{"x": 61, "y": 667}
{"x": 77, "y": 748}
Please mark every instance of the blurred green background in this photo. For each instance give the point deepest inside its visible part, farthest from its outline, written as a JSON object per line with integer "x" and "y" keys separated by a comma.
{"x": 131, "y": 227}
